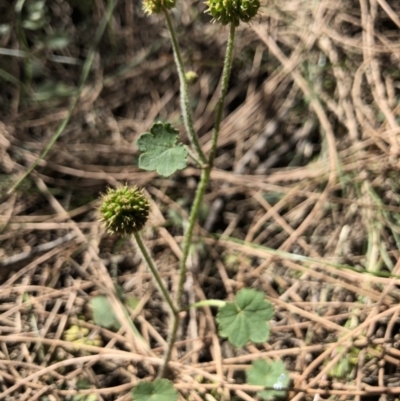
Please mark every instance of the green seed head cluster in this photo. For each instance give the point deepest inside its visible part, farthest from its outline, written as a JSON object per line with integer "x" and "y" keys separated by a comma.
{"x": 233, "y": 11}
{"x": 124, "y": 210}
{"x": 156, "y": 6}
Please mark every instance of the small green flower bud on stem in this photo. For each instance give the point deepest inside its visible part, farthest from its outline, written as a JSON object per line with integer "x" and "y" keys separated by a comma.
{"x": 191, "y": 77}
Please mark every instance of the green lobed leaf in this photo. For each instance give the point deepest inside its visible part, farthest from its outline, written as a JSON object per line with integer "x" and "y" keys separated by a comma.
{"x": 269, "y": 374}
{"x": 103, "y": 314}
{"x": 158, "y": 390}
{"x": 161, "y": 152}
{"x": 246, "y": 319}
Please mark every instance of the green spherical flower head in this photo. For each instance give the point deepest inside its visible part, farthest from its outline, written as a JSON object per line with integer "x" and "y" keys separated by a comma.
{"x": 248, "y": 9}
{"x": 233, "y": 11}
{"x": 124, "y": 210}
{"x": 156, "y": 6}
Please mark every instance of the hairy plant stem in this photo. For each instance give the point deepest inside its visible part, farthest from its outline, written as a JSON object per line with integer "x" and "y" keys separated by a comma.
{"x": 187, "y": 240}
{"x": 170, "y": 345}
{"x": 201, "y": 188}
{"x": 184, "y": 91}
{"x": 226, "y": 72}
{"x": 155, "y": 273}
{"x": 205, "y": 175}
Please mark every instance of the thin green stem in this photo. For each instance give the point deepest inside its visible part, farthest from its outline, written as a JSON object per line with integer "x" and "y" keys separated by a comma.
{"x": 205, "y": 175}
{"x": 226, "y": 72}
{"x": 155, "y": 273}
{"x": 84, "y": 75}
{"x": 187, "y": 240}
{"x": 24, "y": 43}
{"x": 170, "y": 345}
{"x": 184, "y": 91}
{"x": 182, "y": 267}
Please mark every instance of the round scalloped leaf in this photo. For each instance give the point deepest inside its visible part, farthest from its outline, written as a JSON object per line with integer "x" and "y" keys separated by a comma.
{"x": 161, "y": 152}
{"x": 272, "y": 375}
{"x": 246, "y": 319}
{"x": 158, "y": 390}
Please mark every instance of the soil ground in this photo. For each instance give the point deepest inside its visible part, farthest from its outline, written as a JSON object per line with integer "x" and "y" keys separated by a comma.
{"x": 303, "y": 204}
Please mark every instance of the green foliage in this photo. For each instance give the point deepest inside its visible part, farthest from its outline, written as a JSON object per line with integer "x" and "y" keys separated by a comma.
{"x": 83, "y": 384}
{"x": 51, "y": 90}
{"x": 35, "y": 15}
{"x": 103, "y": 314}
{"x": 131, "y": 302}
{"x": 343, "y": 368}
{"x": 161, "y": 152}
{"x": 158, "y": 390}
{"x": 246, "y": 319}
{"x": 272, "y": 375}
{"x": 56, "y": 41}
{"x": 4, "y": 29}
{"x": 233, "y": 261}
{"x": 125, "y": 210}
{"x": 272, "y": 197}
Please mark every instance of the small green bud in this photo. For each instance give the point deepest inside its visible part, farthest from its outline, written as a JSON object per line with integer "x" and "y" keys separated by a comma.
{"x": 156, "y": 6}
{"x": 191, "y": 77}
{"x": 233, "y": 11}
{"x": 124, "y": 210}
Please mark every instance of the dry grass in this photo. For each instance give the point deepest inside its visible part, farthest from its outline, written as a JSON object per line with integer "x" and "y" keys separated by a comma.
{"x": 305, "y": 199}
